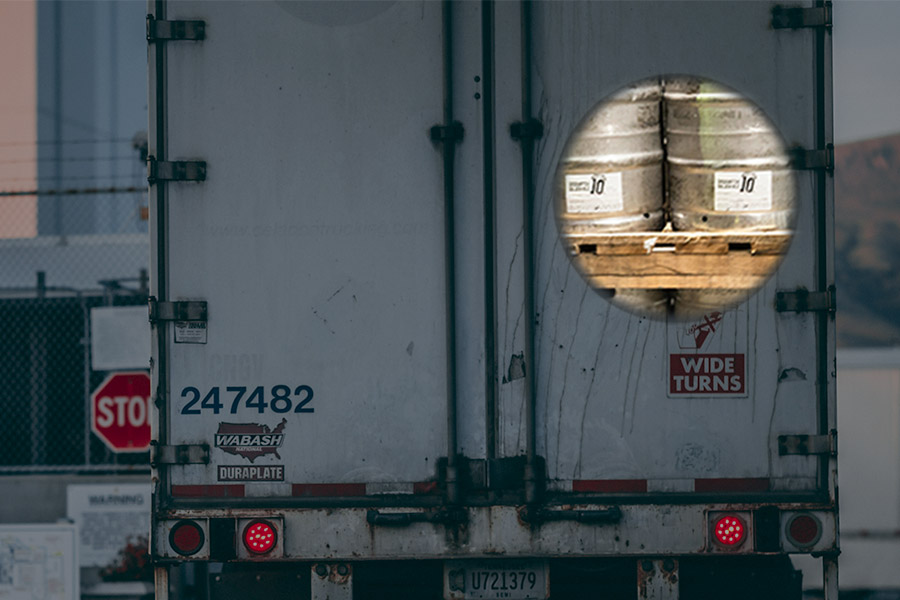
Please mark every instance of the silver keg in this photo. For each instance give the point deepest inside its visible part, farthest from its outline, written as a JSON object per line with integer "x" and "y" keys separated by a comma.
{"x": 610, "y": 178}
{"x": 728, "y": 168}
{"x": 694, "y": 303}
{"x": 642, "y": 302}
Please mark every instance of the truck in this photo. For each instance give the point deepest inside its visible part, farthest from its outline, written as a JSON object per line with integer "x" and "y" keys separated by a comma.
{"x": 413, "y": 334}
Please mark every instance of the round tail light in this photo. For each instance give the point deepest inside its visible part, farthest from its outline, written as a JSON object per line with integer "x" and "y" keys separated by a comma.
{"x": 260, "y": 536}
{"x": 803, "y": 530}
{"x": 730, "y": 531}
{"x": 186, "y": 538}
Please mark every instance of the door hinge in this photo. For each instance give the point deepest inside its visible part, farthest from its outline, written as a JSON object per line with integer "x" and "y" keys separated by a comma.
{"x": 806, "y": 301}
{"x": 804, "y": 159}
{"x": 165, "y": 31}
{"x": 801, "y": 17}
{"x": 189, "y": 316}
{"x": 184, "y": 454}
{"x": 183, "y": 170}
{"x": 183, "y": 310}
{"x": 530, "y": 129}
{"x": 808, "y": 444}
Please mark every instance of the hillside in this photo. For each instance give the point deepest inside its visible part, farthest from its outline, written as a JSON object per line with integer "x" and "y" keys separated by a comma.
{"x": 867, "y": 242}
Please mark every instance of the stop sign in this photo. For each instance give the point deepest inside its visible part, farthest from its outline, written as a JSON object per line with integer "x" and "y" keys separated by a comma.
{"x": 120, "y": 412}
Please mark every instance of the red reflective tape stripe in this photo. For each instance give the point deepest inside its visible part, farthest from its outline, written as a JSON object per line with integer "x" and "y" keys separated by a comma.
{"x": 353, "y": 489}
{"x": 206, "y": 491}
{"x": 749, "y": 484}
{"x": 609, "y": 485}
{"x": 426, "y": 487}
{"x": 328, "y": 489}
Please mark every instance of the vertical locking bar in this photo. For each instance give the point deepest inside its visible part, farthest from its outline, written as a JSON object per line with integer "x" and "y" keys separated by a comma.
{"x": 489, "y": 209}
{"x": 448, "y": 134}
{"x": 534, "y": 480}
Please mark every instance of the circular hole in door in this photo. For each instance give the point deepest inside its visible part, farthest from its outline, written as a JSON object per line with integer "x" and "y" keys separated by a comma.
{"x": 675, "y": 197}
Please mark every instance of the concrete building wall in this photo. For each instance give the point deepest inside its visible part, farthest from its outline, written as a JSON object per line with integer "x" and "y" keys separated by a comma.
{"x": 42, "y": 498}
{"x": 869, "y": 467}
{"x": 92, "y": 101}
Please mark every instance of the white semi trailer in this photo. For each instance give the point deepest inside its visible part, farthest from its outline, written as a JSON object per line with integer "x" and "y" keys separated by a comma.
{"x": 381, "y": 366}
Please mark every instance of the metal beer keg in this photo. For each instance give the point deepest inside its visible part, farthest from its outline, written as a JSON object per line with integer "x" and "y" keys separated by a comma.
{"x": 728, "y": 168}
{"x": 610, "y": 177}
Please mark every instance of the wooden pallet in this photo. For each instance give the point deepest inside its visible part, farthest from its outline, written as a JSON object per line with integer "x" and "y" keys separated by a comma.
{"x": 679, "y": 259}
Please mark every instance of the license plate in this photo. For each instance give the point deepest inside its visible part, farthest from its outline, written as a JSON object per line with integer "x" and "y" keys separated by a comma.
{"x": 496, "y": 580}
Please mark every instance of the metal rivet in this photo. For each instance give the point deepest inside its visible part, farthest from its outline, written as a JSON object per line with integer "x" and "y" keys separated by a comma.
{"x": 477, "y": 79}
{"x": 321, "y": 570}
{"x": 668, "y": 565}
{"x": 646, "y": 566}
{"x": 478, "y": 96}
{"x": 342, "y": 570}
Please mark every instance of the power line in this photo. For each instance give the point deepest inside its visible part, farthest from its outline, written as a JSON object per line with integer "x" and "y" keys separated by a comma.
{"x": 65, "y": 179}
{"x": 67, "y": 142}
{"x": 134, "y": 158}
{"x": 74, "y": 191}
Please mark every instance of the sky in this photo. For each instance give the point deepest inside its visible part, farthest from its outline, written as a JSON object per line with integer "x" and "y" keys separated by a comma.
{"x": 866, "y": 38}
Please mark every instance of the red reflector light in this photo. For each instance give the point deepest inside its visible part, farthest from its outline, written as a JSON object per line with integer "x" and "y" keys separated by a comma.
{"x": 803, "y": 530}
{"x": 260, "y": 537}
{"x": 186, "y": 538}
{"x": 730, "y": 530}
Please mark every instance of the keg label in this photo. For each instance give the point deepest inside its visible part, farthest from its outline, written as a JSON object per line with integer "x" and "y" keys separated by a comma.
{"x": 594, "y": 193}
{"x": 743, "y": 191}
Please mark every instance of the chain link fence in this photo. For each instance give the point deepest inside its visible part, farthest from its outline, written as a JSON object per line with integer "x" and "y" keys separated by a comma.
{"x": 70, "y": 243}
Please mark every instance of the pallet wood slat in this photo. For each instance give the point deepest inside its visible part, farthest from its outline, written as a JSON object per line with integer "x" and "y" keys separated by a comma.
{"x": 679, "y": 260}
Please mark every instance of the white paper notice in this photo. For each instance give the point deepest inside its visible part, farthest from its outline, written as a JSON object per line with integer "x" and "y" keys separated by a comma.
{"x": 120, "y": 338}
{"x": 107, "y": 516}
{"x": 38, "y": 562}
{"x": 190, "y": 332}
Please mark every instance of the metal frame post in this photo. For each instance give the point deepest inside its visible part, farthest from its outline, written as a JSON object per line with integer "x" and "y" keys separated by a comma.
{"x": 657, "y": 579}
{"x": 331, "y": 581}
